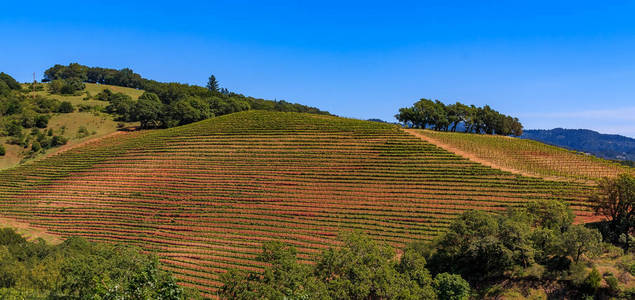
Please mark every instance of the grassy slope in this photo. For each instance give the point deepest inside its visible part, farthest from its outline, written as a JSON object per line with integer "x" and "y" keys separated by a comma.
{"x": 205, "y": 195}
{"x": 100, "y": 124}
{"x": 527, "y": 156}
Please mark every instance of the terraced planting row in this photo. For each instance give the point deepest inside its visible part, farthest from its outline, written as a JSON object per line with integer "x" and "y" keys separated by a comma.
{"x": 528, "y": 156}
{"x": 205, "y": 196}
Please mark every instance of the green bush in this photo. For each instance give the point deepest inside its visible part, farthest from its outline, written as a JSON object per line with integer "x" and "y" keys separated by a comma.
{"x": 55, "y": 86}
{"x": 66, "y": 86}
{"x": 65, "y": 107}
{"x": 592, "y": 281}
{"x": 82, "y": 132}
{"x": 41, "y": 121}
{"x": 613, "y": 283}
{"x": 451, "y": 287}
{"x": 3, "y": 151}
{"x": 14, "y": 129}
{"x": 578, "y": 273}
{"x": 78, "y": 269}
{"x": 35, "y": 147}
{"x": 58, "y": 140}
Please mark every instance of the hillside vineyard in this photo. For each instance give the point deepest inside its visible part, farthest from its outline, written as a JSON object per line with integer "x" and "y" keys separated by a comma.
{"x": 206, "y": 195}
{"x": 529, "y": 156}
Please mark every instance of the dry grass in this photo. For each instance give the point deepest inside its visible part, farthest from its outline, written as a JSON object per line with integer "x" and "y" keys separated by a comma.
{"x": 67, "y": 125}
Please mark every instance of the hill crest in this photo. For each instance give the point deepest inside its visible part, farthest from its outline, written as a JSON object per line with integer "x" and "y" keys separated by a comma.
{"x": 204, "y": 196}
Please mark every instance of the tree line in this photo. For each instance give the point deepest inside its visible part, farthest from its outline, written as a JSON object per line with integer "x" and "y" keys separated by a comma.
{"x": 79, "y": 269}
{"x": 436, "y": 115}
{"x": 177, "y": 104}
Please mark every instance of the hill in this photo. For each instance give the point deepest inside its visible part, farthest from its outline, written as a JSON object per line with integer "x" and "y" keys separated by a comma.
{"x": 88, "y": 113}
{"x": 205, "y": 196}
{"x": 608, "y": 146}
{"x": 523, "y": 156}
{"x": 79, "y": 103}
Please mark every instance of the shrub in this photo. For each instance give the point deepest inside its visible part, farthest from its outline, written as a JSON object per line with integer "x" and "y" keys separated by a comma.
{"x": 558, "y": 264}
{"x": 613, "y": 283}
{"x": 592, "y": 281}
{"x": 104, "y": 95}
{"x": 66, "y": 86}
{"x": 41, "y": 121}
{"x": 65, "y": 107}
{"x": 3, "y": 151}
{"x": 577, "y": 274}
{"x": 46, "y": 105}
{"x": 28, "y": 118}
{"x": 58, "y": 140}
{"x": 14, "y": 129}
{"x": 88, "y": 96}
{"x": 55, "y": 86}
{"x": 35, "y": 147}
{"x": 82, "y": 132}
{"x": 451, "y": 287}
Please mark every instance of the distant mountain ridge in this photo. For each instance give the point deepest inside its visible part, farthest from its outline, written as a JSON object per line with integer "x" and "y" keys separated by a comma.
{"x": 608, "y": 146}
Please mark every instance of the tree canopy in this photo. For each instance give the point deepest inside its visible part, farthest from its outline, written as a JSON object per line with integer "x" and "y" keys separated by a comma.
{"x": 615, "y": 199}
{"x": 78, "y": 269}
{"x": 361, "y": 269}
{"x": 484, "y": 247}
{"x": 436, "y": 115}
{"x": 181, "y": 103}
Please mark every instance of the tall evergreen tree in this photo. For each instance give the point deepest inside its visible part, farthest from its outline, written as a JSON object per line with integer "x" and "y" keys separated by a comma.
{"x": 212, "y": 84}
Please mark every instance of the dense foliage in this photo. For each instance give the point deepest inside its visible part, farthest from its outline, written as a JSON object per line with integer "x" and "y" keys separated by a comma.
{"x": 19, "y": 112}
{"x": 68, "y": 86}
{"x": 360, "y": 269}
{"x": 615, "y": 200}
{"x": 537, "y": 241}
{"x": 426, "y": 113}
{"x": 78, "y": 269}
{"x": 179, "y": 103}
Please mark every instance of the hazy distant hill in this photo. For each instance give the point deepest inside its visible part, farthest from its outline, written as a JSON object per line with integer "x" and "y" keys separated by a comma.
{"x": 609, "y": 146}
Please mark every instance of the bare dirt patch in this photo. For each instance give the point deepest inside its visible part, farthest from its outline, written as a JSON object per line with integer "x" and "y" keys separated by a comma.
{"x": 30, "y": 232}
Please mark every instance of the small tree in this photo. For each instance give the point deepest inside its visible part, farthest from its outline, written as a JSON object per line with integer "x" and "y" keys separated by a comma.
{"x": 72, "y": 85}
{"x": 35, "y": 147}
{"x": 451, "y": 287}
{"x": 212, "y": 84}
{"x": 66, "y": 107}
{"x": 580, "y": 240}
{"x": 123, "y": 106}
{"x": 148, "y": 110}
{"x": 614, "y": 200}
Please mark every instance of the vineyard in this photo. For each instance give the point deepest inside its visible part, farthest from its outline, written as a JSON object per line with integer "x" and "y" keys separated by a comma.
{"x": 526, "y": 156}
{"x": 204, "y": 196}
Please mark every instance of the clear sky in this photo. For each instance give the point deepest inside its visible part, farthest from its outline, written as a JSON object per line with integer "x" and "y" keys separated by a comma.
{"x": 551, "y": 63}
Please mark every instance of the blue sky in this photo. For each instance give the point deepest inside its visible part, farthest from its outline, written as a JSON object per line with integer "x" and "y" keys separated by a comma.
{"x": 567, "y": 64}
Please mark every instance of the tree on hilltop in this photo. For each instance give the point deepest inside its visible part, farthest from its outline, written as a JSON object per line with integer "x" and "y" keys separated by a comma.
{"x": 212, "y": 84}
{"x": 435, "y": 115}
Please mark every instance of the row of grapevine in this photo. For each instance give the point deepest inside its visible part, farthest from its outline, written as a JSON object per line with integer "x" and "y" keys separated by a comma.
{"x": 203, "y": 197}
